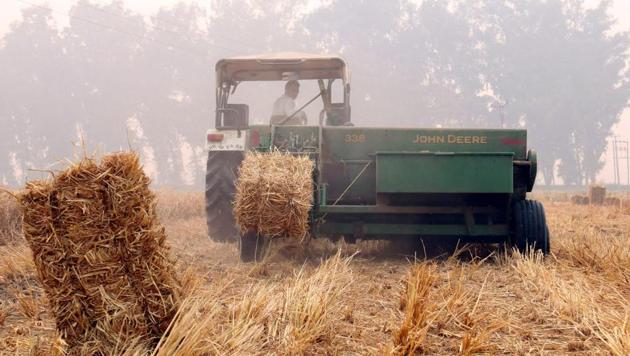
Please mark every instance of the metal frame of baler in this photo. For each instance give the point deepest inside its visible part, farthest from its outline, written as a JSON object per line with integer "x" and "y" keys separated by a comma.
{"x": 358, "y": 216}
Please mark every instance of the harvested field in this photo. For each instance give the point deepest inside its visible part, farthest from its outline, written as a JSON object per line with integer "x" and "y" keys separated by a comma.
{"x": 370, "y": 298}
{"x": 10, "y": 219}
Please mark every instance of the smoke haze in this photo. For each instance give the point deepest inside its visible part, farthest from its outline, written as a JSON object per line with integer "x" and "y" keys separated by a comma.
{"x": 103, "y": 72}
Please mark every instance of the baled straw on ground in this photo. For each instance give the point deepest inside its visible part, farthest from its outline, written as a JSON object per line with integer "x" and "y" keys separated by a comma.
{"x": 579, "y": 199}
{"x": 100, "y": 254}
{"x": 596, "y": 194}
{"x": 274, "y": 194}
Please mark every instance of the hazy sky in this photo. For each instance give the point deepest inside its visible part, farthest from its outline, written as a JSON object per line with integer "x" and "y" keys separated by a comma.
{"x": 10, "y": 9}
{"x": 10, "y": 12}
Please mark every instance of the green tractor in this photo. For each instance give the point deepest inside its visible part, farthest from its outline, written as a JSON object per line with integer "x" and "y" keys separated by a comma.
{"x": 374, "y": 183}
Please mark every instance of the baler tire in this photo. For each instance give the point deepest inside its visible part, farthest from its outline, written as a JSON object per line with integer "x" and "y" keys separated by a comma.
{"x": 253, "y": 247}
{"x": 529, "y": 227}
{"x": 221, "y": 170}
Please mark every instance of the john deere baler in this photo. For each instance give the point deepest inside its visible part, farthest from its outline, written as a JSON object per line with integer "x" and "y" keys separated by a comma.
{"x": 383, "y": 182}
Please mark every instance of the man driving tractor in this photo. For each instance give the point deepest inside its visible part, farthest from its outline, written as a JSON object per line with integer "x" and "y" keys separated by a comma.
{"x": 284, "y": 106}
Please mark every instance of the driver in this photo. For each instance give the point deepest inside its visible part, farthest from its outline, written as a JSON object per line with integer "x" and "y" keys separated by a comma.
{"x": 284, "y": 106}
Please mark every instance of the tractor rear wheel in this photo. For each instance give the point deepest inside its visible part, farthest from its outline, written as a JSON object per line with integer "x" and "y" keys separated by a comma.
{"x": 529, "y": 227}
{"x": 253, "y": 247}
{"x": 221, "y": 173}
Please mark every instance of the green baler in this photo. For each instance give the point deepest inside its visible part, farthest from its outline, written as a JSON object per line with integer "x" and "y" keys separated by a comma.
{"x": 377, "y": 183}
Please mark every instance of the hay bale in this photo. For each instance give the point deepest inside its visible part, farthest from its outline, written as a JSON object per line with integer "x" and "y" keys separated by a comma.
{"x": 579, "y": 199}
{"x": 101, "y": 254}
{"x": 274, "y": 194}
{"x": 596, "y": 194}
{"x": 612, "y": 201}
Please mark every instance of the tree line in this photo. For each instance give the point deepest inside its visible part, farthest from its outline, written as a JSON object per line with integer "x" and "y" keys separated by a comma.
{"x": 116, "y": 79}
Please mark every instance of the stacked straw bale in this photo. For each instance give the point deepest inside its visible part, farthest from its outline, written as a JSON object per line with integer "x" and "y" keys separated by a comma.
{"x": 612, "y": 201}
{"x": 274, "y": 194}
{"x": 596, "y": 194}
{"x": 101, "y": 254}
{"x": 579, "y": 199}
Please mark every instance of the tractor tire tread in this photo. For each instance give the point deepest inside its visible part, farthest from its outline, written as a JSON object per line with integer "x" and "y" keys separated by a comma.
{"x": 220, "y": 178}
{"x": 530, "y": 228}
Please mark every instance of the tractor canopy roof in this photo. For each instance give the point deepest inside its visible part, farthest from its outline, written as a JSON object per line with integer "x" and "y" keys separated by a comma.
{"x": 281, "y": 66}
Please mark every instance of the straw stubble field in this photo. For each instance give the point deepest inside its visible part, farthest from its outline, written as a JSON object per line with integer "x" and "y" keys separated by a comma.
{"x": 368, "y": 298}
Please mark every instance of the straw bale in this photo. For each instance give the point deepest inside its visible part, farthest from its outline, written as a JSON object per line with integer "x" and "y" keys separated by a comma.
{"x": 274, "y": 194}
{"x": 101, "y": 254}
{"x": 596, "y": 194}
{"x": 612, "y": 201}
{"x": 579, "y": 199}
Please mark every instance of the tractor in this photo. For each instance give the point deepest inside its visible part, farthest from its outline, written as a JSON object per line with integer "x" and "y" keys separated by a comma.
{"x": 374, "y": 182}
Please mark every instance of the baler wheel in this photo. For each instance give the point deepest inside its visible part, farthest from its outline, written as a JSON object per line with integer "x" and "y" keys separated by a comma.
{"x": 221, "y": 172}
{"x": 529, "y": 227}
{"x": 253, "y": 247}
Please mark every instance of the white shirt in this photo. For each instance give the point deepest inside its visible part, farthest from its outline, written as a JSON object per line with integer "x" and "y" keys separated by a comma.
{"x": 283, "y": 106}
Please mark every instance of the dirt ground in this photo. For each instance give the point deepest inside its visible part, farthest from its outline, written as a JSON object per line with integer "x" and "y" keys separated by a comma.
{"x": 372, "y": 297}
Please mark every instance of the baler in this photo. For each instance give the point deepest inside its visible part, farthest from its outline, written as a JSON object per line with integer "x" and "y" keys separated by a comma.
{"x": 376, "y": 183}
